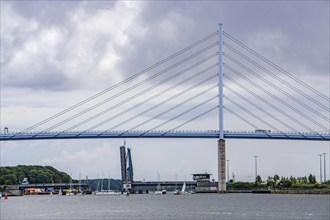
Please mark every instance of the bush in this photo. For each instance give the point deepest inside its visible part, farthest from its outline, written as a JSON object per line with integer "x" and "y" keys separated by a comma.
{"x": 285, "y": 183}
{"x": 241, "y": 185}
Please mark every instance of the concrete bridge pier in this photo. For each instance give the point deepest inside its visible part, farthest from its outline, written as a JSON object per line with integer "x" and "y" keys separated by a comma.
{"x": 221, "y": 166}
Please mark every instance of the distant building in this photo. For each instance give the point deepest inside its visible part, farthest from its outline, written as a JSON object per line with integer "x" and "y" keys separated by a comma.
{"x": 204, "y": 184}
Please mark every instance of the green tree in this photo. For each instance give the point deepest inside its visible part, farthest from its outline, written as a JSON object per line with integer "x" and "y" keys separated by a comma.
{"x": 285, "y": 183}
{"x": 304, "y": 179}
{"x": 276, "y": 178}
{"x": 271, "y": 183}
{"x": 8, "y": 182}
{"x": 33, "y": 176}
{"x": 258, "y": 181}
{"x": 311, "y": 179}
{"x": 293, "y": 180}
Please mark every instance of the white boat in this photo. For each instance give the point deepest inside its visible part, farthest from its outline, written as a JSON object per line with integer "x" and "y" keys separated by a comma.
{"x": 112, "y": 192}
{"x": 160, "y": 192}
{"x": 183, "y": 190}
{"x": 70, "y": 192}
{"x": 176, "y": 191}
{"x": 106, "y": 192}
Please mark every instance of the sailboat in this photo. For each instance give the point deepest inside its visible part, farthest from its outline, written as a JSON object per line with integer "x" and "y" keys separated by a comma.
{"x": 99, "y": 192}
{"x": 70, "y": 192}
{"x": 159, "y": 191}
{"x": 183, "y": 190}
{"x": 176, "y": 191}
{"x": 107, "y": 192}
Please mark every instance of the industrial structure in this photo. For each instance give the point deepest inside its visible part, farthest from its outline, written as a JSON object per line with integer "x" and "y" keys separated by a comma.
{"x": 126, "y": 169}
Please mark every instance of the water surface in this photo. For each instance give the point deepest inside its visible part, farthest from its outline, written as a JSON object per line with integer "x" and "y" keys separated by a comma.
{"x": 149, "y": 206}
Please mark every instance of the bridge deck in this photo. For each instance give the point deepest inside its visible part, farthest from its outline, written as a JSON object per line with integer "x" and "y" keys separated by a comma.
{"x": 52, "y": 185}
{"x": 211, "y": 134}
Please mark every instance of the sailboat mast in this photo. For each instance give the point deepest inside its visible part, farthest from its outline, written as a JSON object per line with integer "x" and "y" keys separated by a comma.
{"x": 109, "y": 183}
{"x": 102, "y": 182}
{"x": 176, "y": 182}
{"x": 79, "y": 182}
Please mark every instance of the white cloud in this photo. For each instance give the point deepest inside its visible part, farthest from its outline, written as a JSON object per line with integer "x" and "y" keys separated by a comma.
{"x": 74, "y": 54}
{"x": 89, "y": 162}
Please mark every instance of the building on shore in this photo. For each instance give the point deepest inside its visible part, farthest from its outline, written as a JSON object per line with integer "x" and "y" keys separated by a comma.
{"x": 204, "y": 183}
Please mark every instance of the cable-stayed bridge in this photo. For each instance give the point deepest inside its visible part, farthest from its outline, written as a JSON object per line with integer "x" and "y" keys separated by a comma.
{"x": 169, "y": 98}
{"x": 215, "y": 83}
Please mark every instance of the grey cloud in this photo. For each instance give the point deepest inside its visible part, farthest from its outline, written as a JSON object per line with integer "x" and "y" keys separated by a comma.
{"x": 49, "y": 80}
{"x": 48, "y": 12}
{"x": 161, "y": 28}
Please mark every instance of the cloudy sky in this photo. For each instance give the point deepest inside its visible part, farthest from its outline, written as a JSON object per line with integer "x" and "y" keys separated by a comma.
{"x": 55, "y": 54}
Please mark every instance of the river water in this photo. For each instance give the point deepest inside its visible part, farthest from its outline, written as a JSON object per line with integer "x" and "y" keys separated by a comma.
{"x": 169, "y": 206}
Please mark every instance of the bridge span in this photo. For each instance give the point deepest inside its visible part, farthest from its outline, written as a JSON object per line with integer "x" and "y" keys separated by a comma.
{"x": 53, "y": 185}
{"x": 211, "y": 134}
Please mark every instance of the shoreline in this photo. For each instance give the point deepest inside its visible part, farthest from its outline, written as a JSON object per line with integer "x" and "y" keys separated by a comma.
{"x": 284, "y": 191}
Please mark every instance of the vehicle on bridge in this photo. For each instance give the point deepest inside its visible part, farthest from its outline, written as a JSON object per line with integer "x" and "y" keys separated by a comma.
{"x": 262, "y": 131}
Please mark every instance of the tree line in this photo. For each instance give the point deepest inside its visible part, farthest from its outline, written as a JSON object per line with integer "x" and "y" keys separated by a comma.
{"x": 48, "y": 174}
{"x": 35, "y": 174}
{"x": 277, "y": 182}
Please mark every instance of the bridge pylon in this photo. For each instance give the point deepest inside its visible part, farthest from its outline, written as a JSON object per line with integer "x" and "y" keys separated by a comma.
{"x": 221, "y": 141}
{"x": 222, "y": 165}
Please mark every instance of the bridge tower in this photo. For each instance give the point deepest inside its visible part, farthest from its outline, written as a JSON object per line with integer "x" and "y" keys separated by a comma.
{"x": 129, "y": 175}
{"x": 221, "y": 141}
{"x": 123, "y": 165}
{"x": 126, "y": 168}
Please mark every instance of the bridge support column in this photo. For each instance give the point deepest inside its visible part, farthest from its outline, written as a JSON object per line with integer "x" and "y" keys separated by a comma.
{"x": 221, "y": 166}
